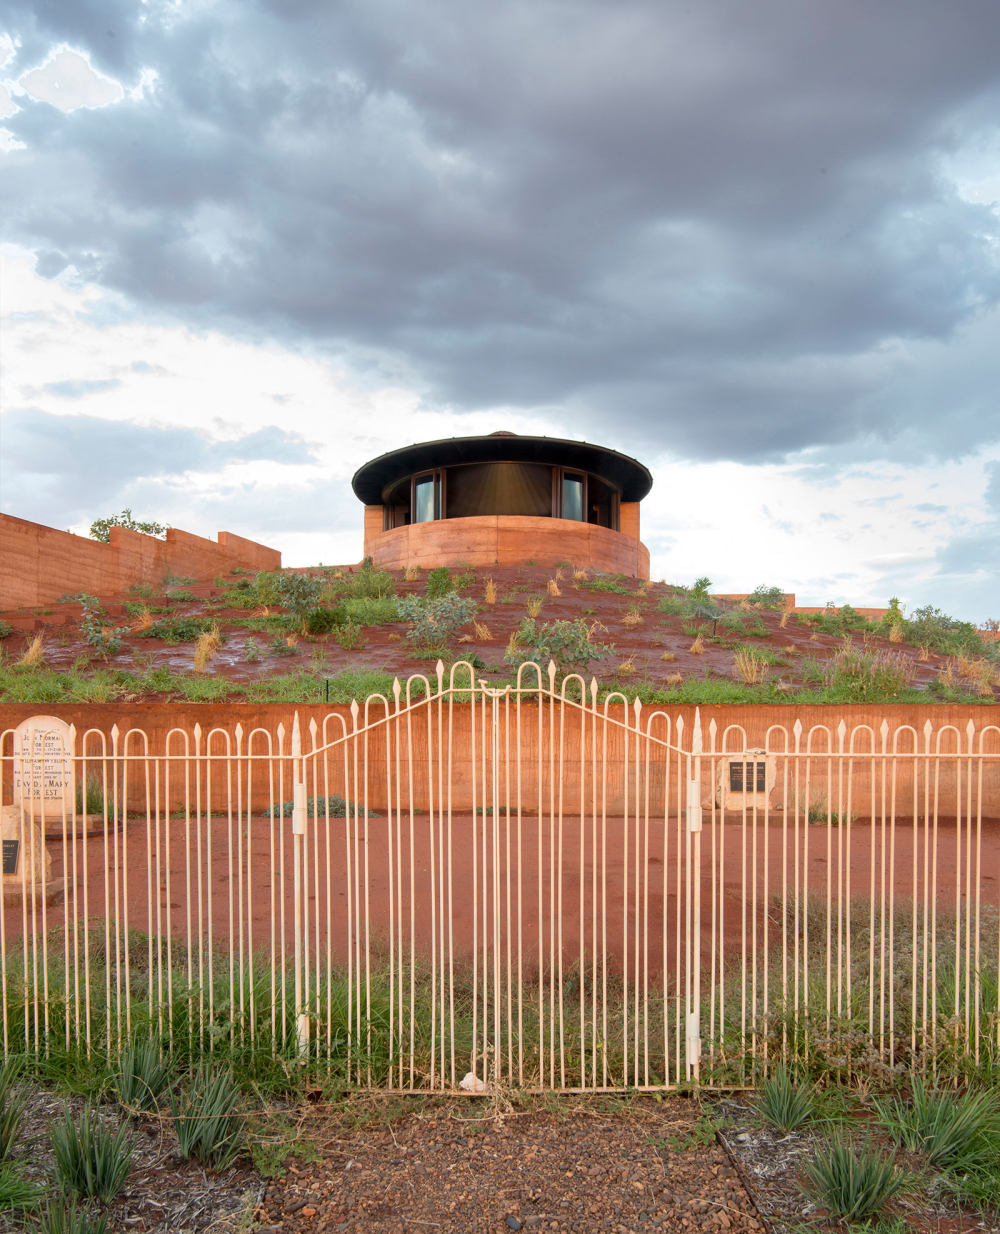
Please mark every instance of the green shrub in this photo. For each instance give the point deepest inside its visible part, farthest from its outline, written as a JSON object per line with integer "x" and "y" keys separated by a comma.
{"x": 322, "y": 620}
{"x": 614, "y": 583}
{"x": 90, "y": 796}
{"x": 260, "y": 591}
{"x": 142, "y": 1076}
{"x": 17, "y": 1193}
{"x": 300, "y": 594}
{"x": 67, "y": 1216}
{"x": 784, "y": 1102}
{"x": 849, "y": 1184}
{"x": 349, "y": 636}
{"x": 434, "y": 621}
{"x": 335, "y": 806}
{"x": 439, "y": 583}
{"x": 929, "y": 627}
{"x": 767, "y": 597}
{"x": 571, "y": 644}
{"x": 207, "y": 1121}
{"x": 90, "y": 1159}
{"x": 858, "y": 676}
{"x": 13, "y": 1100}
{"x": 953, "y": 1130}
{"x": 368, "y": 583}
{"x": 97, "y": 630}
{"x": 6, "y": 629}
{"x": 176, "y": 630}
{"x": 370, "y": 611}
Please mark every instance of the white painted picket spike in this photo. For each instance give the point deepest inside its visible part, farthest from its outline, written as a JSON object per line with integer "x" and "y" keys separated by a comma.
{"x": 397, "y": 689}
{"x": 355, "y": 711}
{"x": 552, "y": 675}
{"x": 697, "y": 746}
{"x": 313, "y": 729}
{"x": 238, "y": 732}
{"x": 713, "y": 731}
{"x": 883, "y": 729}
{"x": 296, "y": 737}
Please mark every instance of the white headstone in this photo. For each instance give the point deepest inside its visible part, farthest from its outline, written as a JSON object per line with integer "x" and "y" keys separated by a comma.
{"x": 43, "y": 768}
{"x": 27, "y": 864}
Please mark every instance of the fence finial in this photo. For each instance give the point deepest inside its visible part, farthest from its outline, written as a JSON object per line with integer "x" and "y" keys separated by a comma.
{"x": 697, "y": 745}
{"x": 296, "y": 736}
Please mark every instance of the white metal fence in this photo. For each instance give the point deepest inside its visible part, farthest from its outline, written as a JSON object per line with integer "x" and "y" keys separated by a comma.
{"x": 528, "y": 884}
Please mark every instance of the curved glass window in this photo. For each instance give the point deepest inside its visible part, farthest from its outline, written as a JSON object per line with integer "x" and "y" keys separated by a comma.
{"x": 473, "y": 490}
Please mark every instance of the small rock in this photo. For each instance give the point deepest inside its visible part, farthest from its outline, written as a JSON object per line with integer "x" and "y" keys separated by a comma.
{"x": 512, "y": 1223}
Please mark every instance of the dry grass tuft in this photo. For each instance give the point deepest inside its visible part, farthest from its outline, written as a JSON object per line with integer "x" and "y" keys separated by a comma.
{"x": 512, "y": 642}
{"x": 925, "y": 653}
{"x": 395, "y": 638}
{"x": 673, "y": 679}
{"x": 627, "y": 667}
{"x": 668, "y": 655}
{"x": 206, "y": 645}
{"x": 490, "y": 592}
{"x": 784, "y": 619}
{"x": 144, "y": 619}
{"x": 791, "y": 649}
{"x": 749, "y": 668}
{"x": 34, "y": 653}
{"x": 697, "y": 648}
{"x": 553, "y": 587}
{"x": 292, "y": 640}
{"x": 814, "y": 637}
{"x": 981, "y": 673}
{"x": 632, "y": 617}
{"x": 534, "y": 606}
{"x": 483, "y": 632}
{"x": 465, "y": 638}
{"x": 581, "y": 576}
{"x": 895, "y": 633}
{"x": 411, "y": 573}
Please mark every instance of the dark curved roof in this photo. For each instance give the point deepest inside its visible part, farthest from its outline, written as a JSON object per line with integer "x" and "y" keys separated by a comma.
{"x": 371, "y": 481}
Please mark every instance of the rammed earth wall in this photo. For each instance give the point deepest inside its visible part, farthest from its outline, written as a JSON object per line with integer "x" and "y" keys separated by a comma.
{"x": 39, "y": 564}
{"x": 916, "y": 770}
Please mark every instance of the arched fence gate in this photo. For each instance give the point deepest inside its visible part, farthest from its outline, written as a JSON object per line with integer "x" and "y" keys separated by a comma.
{"x": 535, "y": 885}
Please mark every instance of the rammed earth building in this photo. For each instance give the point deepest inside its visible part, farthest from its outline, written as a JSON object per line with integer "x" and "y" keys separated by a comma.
{"x": 504, "y": 499}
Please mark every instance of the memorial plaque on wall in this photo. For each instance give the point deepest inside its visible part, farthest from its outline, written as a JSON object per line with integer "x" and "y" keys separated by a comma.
{"x": 43, "y": 769}
{"x": 11, "y": 848}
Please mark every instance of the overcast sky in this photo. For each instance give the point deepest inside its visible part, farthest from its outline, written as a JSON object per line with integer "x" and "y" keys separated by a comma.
{"x": 249, "y": 245}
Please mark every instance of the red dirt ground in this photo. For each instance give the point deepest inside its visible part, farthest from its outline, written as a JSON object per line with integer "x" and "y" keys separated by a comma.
{"x": 212, "y": 860}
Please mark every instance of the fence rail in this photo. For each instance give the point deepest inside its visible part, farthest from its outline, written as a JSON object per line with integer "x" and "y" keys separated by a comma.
{"x": 525, "y": 883}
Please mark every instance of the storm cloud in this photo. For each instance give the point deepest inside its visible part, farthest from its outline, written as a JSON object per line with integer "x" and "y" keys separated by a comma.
{"x": 711, "y": 229}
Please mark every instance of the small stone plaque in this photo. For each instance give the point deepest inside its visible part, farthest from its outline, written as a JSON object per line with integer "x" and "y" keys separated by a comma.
{"x": 43, "y": 768}
{"x": 11, "y": 848}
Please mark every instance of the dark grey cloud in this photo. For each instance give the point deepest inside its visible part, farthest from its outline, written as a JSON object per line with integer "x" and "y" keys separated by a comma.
{"x": 80, "y": 464}
{"x": 683, "y": 226}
